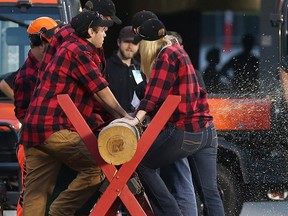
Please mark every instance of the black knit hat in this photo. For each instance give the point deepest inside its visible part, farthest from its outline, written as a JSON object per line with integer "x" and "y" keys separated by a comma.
{"x": 150, "y": 30}
{"x": 141, "y": 17}
{"x": 104, "y": 7}
{"x": 88, "y": 19}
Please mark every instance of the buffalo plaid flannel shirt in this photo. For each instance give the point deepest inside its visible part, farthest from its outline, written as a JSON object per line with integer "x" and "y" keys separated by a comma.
{"x": 173, "y": 74}
{"x": 71, "y": 71}
{"x": 24, "y": 85}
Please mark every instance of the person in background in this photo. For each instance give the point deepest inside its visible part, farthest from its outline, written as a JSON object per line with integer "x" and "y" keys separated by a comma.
{"x": 126, "y": 81}
{"x": 123, "y": 74}
{"x": 244, "y": 67}
{"x": 6, "y": 85}
{"x": 179, "y": 40}
{"x": 48, "y": 136}
{"x": 211, "y": 73}
{"x": 170, "y": 71}
{"x": 40, "y": 32}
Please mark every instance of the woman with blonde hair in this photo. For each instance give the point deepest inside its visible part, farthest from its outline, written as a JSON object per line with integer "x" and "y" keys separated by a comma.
{"x": 190, "y": 128}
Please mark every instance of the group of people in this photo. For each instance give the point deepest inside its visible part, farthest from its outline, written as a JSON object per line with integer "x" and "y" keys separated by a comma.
{"x": 239, "y": 74}
{"x": 69, "y": 59}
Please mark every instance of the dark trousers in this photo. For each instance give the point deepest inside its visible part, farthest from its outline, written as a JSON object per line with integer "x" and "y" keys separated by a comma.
{"x": 171, "y": 145}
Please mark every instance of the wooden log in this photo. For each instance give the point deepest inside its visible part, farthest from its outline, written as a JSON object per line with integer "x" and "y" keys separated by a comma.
{"x": 117, "y": 143}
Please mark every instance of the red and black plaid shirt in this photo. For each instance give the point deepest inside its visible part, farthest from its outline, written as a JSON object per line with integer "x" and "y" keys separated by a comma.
{"x": 72, "y": 71}
{"x": 24, "y": 85}
{"x": 57, "y": 41}
{"x": 173, "y": 74}
{"x": 64, "y": 33}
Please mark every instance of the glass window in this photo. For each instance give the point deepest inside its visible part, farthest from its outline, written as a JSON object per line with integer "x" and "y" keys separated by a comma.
{"x": 229, "y": 51}
{"x": 14, "y": 43}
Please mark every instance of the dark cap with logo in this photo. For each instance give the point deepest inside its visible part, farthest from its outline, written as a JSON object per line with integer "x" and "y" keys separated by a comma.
{"x": 150, "y": 30}
{"x": 141, "y": 17}
{"x": 88, "y": 19}
{"x": 126, "y": 34}
{"x": 104, "y": 7}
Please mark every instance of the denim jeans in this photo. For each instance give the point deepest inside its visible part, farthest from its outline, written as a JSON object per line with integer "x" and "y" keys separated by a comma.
{"x": 171, "y": 145}
{"x": 203, "y": 168}
{"x": 178, "y": 179}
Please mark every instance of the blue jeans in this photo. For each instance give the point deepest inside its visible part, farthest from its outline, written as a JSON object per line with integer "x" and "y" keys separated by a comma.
{"x": 178, "y": 179}
{"x": 171, "y": 145}
{"x": 203, "y": 167}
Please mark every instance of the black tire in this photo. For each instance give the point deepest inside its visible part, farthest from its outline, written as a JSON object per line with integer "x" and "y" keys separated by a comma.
{"x": 230, "y": 191}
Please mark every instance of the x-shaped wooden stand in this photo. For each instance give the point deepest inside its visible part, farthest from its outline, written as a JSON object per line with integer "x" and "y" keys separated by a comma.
{"x": 119, "y": 178}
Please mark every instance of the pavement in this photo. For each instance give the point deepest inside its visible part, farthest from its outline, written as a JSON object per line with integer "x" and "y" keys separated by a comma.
{"x": 271, "y": 208}
{"x": 9, "y": 213}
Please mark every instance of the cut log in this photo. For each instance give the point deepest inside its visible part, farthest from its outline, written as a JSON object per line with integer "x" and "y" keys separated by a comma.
{"x": 117, "y": 143}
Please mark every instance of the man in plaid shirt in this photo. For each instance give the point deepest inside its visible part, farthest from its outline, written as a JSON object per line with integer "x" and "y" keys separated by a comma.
{"x": 48, "y": 136}
{"x": 107, "y": 9}
{"x": 40, "y": 33}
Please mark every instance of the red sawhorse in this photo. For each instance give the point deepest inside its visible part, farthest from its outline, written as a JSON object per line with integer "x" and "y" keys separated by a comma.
{"x": 117, "y": 188}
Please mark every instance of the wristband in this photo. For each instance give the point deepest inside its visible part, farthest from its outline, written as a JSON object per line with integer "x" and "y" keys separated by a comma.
{"x": 138, "y": 119}
{"x": 139, "y": 122}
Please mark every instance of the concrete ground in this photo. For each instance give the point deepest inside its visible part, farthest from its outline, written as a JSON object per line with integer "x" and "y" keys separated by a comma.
{"x": 271, "y": 208}
{"x": 276, "y": 208}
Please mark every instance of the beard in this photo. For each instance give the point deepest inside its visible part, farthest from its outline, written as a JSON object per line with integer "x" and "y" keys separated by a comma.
{"x": 126, "y": 54}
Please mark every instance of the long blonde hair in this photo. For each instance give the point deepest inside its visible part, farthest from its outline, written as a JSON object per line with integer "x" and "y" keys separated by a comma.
{"x": 148, "y": 52}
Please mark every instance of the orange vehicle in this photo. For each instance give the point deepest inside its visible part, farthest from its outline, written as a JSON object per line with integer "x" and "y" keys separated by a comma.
{"x": 247, "y": 113}
{"x": 15, "y": 16}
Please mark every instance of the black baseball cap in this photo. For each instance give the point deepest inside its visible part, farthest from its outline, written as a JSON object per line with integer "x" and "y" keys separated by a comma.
{"x": 141, "y": 17}
{"x": 88, "y": 19}
{"x": 126, "y": 34}
{"x": 150, "y": 30}
{"x": 104, "y": 7}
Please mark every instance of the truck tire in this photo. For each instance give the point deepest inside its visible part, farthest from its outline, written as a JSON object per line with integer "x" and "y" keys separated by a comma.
{"x": 230, "y": 191}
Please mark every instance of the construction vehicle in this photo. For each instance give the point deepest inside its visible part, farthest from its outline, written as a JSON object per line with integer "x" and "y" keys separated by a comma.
{"x": 15, "y": 16}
